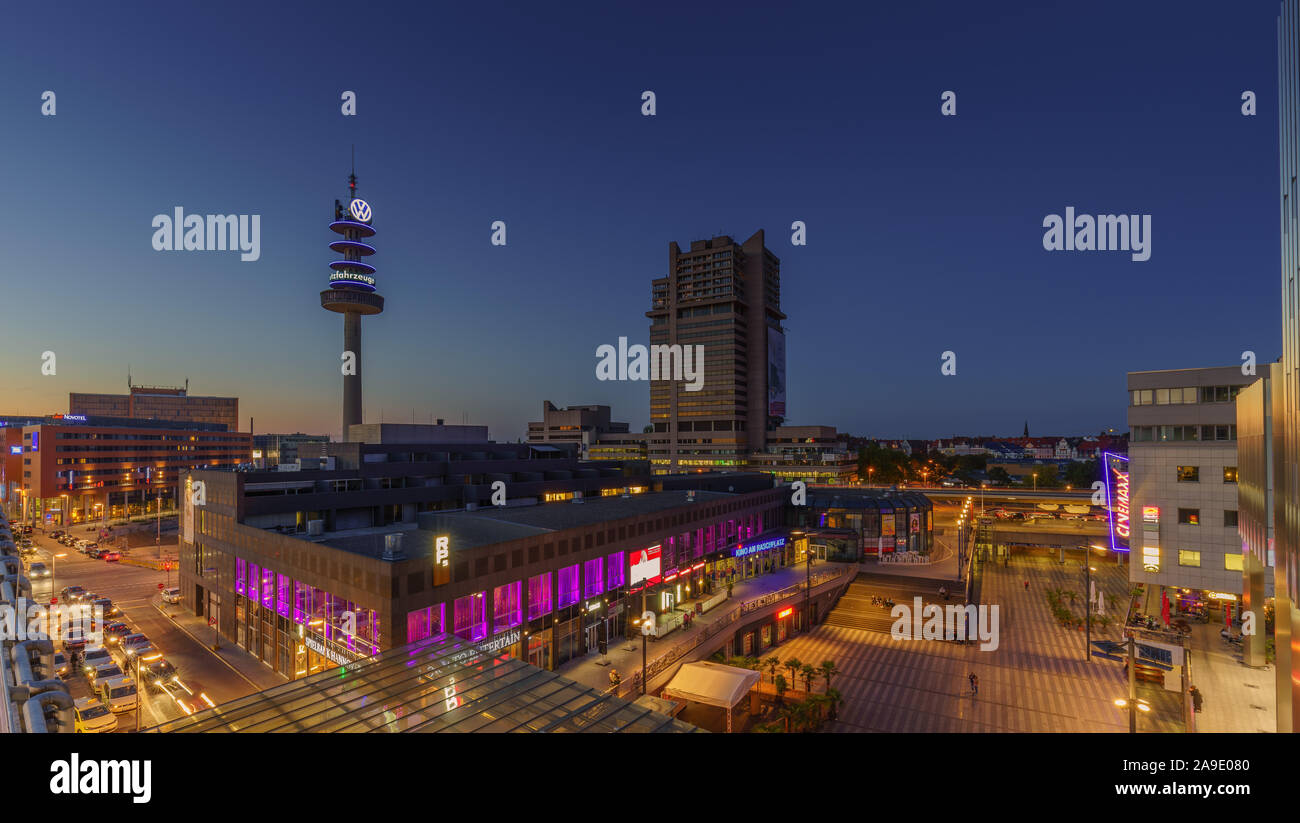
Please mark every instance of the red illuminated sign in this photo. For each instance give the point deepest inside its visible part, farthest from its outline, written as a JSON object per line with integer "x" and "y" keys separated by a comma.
{"x": 785, "y": 613}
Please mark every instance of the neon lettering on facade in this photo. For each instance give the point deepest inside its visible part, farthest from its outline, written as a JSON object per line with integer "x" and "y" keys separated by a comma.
{"x": 1117, "y": 500}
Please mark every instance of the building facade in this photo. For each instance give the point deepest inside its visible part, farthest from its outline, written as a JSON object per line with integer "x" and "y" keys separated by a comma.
{"x": 1183, "y": 472}
{"x": 276, "y": 449}
{"x": 1255, "y": 501}
{"x": 163, "y": 404}
{"x": 580, "y": 427}
{"x": 68, "y": 468}
{"x": 1286, "y": 392}
{"x": 546, "y": 579}
{"x": 726, "y": 297}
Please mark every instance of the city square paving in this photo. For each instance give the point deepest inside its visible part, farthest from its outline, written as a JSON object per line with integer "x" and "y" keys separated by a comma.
{"x": 1037, "y": 680}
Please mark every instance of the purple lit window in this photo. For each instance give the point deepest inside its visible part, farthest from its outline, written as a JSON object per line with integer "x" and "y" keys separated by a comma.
{"x": 254, "y": 581}
{"x": 301, "y": 601}
{"x": 593, "y": 577}
{"x": 283, "y": 585}
{"x": 423, "y": 623}
{"x": 507, "y": 606}
{"x": 539, "y": 596}
{"x": 471, "y": 617}
{"x": 241, "y": 569}
{"x": 568, "y": 586}
{"x": 614, "y": 570}
{"x": 268, "y": 589}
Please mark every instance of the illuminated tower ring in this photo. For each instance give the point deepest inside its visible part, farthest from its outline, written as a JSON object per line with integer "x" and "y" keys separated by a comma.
{"x": 351, "y": 292}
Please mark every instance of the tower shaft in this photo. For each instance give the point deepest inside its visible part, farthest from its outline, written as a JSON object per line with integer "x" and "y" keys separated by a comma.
{"x": 352, "y": 382}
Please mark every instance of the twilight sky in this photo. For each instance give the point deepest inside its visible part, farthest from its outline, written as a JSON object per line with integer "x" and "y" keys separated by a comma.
{"x": 924, "y": 232}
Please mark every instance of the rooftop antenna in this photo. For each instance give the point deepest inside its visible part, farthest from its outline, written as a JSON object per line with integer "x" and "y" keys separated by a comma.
{"x": 352, "y": 178}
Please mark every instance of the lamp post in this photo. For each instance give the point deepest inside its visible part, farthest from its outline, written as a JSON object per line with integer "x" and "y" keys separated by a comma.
{"x": 1132, "y": 703}
{"x": 1035, "y": 481}
{"x": 138, "y": 697}
{"x": 870, "y": 470}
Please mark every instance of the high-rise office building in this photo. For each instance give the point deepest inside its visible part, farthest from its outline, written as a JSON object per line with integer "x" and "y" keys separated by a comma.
{"x": 168, "y": 404}
{"x": 1286, "y": 392}
{"x": 726, "y": 297}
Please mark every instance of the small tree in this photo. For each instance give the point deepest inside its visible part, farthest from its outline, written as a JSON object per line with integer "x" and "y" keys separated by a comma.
{"x": 809, "y": 673}
{"x": 829, "y": 670}
{"x": 834, "y": 700}
{"x": 794, "y": 665}
{"x": 771, "y": 665}
{"x": 781, "y": 688}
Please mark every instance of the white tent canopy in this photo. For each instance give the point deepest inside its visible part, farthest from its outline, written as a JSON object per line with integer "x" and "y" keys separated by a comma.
{"x": 712, "y": 684}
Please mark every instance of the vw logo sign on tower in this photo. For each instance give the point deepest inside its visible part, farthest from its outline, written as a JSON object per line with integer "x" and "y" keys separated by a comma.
{"x": 360, "y": 210}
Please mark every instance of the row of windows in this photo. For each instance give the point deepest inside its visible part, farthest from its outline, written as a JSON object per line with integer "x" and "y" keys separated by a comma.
{"x": 1192, "y": 474}
{"x": 1176, "y": 434}
{"x": 1187, "y": 394}
{"x": 1192, "y": 517}
{"x": 1231, "y": 562}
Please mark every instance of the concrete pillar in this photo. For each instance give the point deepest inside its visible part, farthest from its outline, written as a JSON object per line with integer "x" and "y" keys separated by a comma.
{"x": 352, "y": 382}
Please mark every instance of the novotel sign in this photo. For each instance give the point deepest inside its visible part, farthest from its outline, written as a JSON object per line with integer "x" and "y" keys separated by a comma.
{"x": 759, "y": 546}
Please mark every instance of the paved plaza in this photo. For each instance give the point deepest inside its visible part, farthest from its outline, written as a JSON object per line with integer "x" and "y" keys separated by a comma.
{"x": 1036, "y": 681}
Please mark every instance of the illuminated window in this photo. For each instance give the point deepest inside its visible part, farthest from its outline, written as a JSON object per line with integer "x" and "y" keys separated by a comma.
{"x": 470, "y": 617}
{"x": 1189, "y": 517}
{"x": 423, "y": 623}
{"x": 568, "y": 586}
{"x": 593, "y": 577}
{"x": 1229, "y": 474}
{"x": 1189, "y": 474}
{"x": 615, "y": 570}
{"x": 1189, "y": 558}
{"x": 1232, "y": 562}
{"x": 507, "y": 606}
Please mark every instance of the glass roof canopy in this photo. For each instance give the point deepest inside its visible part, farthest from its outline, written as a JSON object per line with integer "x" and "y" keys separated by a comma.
{"x": 440, "y": 684}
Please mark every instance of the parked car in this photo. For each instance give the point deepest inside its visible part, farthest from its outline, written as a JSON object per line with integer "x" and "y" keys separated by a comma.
{"x": 74, "y": 640}
{"x": 115, "y": 631}
{"x": 95, "y": 554}
{"x": 157, "y": 673}
{"x": 56, "y": 534}
{"x": 37, "y": 570}
{"x": 106, "y": 603}
{"x": 61, "y": 665}
{"x": 118, "y": 693}
{"x": 133, "y": 644}
{"x": 93, "y": 657}
{"x": 91, "y": 545}
{"x": 92, "y": 717}
{"x": 172, "y": 595}
{"x": 105, "y": 671}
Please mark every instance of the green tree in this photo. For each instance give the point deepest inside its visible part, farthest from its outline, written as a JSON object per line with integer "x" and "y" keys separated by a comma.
{"x": 809, "y": 673}
{"x": 1081, "y": 475}
{"x": 793, "y": 664}
{"x": 998, "y": 476}
{"x": 835, "y": 700}
{"x": 771, "y": 664}
{"x": 781, "y": 688}
{"x": 829, "y": 670}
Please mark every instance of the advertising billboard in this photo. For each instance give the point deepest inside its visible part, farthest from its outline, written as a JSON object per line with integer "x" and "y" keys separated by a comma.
{"x": 775, "y": 373}
{"x": 645, "y": 566}
{"x": 1115, "y": 467}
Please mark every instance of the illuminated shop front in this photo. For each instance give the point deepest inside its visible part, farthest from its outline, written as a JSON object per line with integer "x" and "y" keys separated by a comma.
{"x": 883, "y": 521}
{"x": 298, "y": 629}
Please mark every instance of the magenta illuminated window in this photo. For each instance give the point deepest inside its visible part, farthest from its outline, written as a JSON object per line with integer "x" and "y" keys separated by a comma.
{"x": 254, "y": 581}
{"x": 423, "y": 623}
{"x": 301, "y": 601}
{"x": 507, "y": 606}
{"x": 593, "y": 577}
{"x": 539, "y": 596}
{"x": 268, "y": 588}
{"x": 283, "y": 585}
{"x": 241, "y": 570}
{"x": 470, "y": 617}
{"x": 568, "y": 586}
{"x": 615, "y": 570}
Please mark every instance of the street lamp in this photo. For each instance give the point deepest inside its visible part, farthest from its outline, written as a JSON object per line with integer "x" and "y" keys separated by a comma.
{"x": 150, "y": 658}
{"x": 1035, "y": 481}
{"x": 870, "y": 471}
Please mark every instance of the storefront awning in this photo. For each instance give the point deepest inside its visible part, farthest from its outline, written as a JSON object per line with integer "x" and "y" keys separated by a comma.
{"x": 712, "y": 684}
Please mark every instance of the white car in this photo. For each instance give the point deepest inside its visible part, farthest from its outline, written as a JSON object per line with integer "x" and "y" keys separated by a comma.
{"x": 172, "y": 595}
{"x": 118, "y": 693}
{"x": 92, "y": 717}
{"x": 38, "y": 570}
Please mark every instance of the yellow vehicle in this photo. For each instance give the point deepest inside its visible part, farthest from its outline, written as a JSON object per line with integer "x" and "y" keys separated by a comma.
{"x": 92, "y": 717}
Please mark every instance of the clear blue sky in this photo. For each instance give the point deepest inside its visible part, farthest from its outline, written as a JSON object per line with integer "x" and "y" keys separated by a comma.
{"x": 924, "y": 232}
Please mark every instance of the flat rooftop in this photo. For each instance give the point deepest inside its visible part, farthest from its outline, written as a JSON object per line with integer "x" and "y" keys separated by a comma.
{"x": 440, "y": 684}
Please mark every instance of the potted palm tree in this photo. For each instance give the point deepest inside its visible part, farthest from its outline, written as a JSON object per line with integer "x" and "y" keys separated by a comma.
{"x": 809, "y": 674}
{"x": 771, "y": 664}
{"x": 794, "y": 665}
{"x": 781, "y": 688}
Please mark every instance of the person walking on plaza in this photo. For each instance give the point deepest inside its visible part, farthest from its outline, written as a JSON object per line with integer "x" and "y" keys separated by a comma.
{"x": 974, "y": 684}
{"x": 1026, "y": 585}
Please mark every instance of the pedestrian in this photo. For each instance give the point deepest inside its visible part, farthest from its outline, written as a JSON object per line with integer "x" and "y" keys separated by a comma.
{"x": 1026, "y": 585}
{"x": 974, "y": 684}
